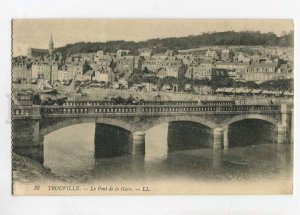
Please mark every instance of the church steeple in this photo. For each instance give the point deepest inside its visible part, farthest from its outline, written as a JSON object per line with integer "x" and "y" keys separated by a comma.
{"x": 51, "y": 45}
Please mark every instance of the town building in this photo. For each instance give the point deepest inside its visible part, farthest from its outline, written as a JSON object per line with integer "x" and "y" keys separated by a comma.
{"x": 263, "y": 67}
{"x": 104, "y": 74}
{"x": 171, "y": 71}
{"x": 265, "y": 71}
{"x": 36, "y": 52}
{"x": 226, "y": 55}
{"x": 62, "y": 73}
{"x": 171, "y": 52}
{"x": 145, "y": 53}
{"x": 21, "y": 71}
{"x": 243, "y": 58}
{"x": 157, "y": 65}
{"x": 75, "y": 58}
{"x": 260, "y": 77}
{"x": 125, "y": 64}
{"x": 198, "y": 72}
{"x": 75, "y": 70}
{"x": 212, "y": 54}
{"x": 121, "y": 53}
{"x": 44, "y": 70}
{"x": 88, "y": 75}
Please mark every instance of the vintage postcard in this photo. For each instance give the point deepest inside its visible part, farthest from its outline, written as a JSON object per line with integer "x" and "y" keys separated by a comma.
{"x": 152, "y": 107}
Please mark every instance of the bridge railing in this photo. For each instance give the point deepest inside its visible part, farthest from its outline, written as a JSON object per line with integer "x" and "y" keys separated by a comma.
{"x": 87, "y": 103}
{"x": 113, "y": 109}
{"x": 134, "y": 109}
{"x": 179, "y": 108}
{"x": 251, "y": 108}
{"x": 88, "y": 109}
{"x": 100, "y": 103}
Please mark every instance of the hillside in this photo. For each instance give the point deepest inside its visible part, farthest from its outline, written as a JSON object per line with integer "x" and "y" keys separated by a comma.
{"x": 249, "y": 38}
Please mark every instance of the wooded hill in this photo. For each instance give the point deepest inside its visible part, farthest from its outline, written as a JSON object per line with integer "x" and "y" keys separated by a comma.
{"x": 248, "y": 38}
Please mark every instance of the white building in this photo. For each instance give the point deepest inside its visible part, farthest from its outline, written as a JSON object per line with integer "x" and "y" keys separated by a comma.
{"x": 62, "y": 74}
{"x": 101, "y": 76}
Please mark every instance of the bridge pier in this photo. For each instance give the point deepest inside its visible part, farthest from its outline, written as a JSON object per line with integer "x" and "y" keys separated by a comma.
{"x": 282, "y": 134}
{"x": 285, "y": 126}
{"x": 38, "y": 151}
{"x": 225, "y": 137}
{"x": 218, "y": 138}
{"x": 138, "y": 143}
{"x": 27, "y": 140}
{"x": 292, "y": 127}
{"x": 36, "y": 131}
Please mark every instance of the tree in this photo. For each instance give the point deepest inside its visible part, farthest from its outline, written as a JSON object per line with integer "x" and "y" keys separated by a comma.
{"x": 221, "y": 81}
{"x": 251, "y": 85}
{"x": 150, "y": 79}
{"x": 77, "y": 83}
{"x": 86, "y": 67}
{"x": 145, "y": 70}
{"x": 112, "y": 65}
{"x": 168, "y": 80}
{"x": 135, "y": 78}
{"x": 202, "y": 82}
{"x": 238, "y": 84}
{"x": 281, "y": 85}
{"x": 205, "y": 39}
{"x": 182, "y": 80}
{"x": 140, "y": 62}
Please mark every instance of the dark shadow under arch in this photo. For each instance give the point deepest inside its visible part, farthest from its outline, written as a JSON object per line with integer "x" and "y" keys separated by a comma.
{"x": 111, "y": 141}
{"x": 185, "y": 135}
{"x": 251, "y": 132}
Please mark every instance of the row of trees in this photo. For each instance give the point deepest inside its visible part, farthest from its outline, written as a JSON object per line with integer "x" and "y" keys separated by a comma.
{"x": 214, "y": 83}
{"x": 205, "y": 39}
{"x": 281, "y": 84}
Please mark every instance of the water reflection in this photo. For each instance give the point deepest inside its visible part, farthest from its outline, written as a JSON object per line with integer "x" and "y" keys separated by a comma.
{"x": 70, "y": 151}
{"x": 70, "y": 155}
{"x": 156, "y": 146}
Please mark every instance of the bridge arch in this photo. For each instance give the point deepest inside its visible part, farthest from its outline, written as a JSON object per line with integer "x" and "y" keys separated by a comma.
{"x": 69, "y": 122}
{"x": 250, "y": 129}
{"x": 167, "y": 119}
{"x": 241, "y": 117}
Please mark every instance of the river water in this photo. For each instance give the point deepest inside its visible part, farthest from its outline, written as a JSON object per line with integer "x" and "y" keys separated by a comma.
{"x": 69, "y": 153}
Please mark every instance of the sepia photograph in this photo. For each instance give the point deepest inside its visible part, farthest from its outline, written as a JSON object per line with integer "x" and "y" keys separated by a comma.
{"x": 152, "y": 106}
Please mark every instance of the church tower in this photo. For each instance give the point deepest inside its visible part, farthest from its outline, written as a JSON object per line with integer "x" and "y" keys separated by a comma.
{"x": 51, "y": 45}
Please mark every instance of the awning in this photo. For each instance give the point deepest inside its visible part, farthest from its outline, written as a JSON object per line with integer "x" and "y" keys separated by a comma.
{"x": 268, "y": 92}
{"x": 228, "y": 90}
{"x": 220, "y": 90}
{"x": 242, "y": 90}
{"x": 256, "y": 91}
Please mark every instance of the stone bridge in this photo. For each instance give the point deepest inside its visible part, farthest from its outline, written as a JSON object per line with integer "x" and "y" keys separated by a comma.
{"x": 32, "y": 123}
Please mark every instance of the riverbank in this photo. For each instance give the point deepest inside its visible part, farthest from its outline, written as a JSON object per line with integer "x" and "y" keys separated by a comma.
{"x": 26, "y": 170}
{"x": 102, "y": 94}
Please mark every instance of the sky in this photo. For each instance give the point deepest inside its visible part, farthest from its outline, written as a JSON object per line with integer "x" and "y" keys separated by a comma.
{"x": 35, "y": 33}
